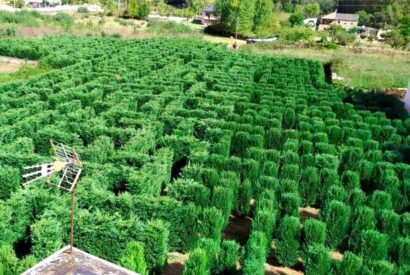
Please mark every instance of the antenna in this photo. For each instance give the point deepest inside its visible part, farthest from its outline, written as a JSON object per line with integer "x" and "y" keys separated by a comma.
{"x": 63, "y": 174}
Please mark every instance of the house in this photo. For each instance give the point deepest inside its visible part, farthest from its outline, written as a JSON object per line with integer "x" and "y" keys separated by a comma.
{"x": 209, "y": 16}
{"x": 345, "y": 20}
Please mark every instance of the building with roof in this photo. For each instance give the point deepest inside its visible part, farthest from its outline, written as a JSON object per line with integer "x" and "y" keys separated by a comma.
{"x": 76, "y": 263}
{"x": 209, "y": 16}
{"x": 345, "y": 20}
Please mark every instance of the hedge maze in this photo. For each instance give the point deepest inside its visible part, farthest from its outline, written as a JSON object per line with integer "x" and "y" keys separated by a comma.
{"x": 177, "y": 136}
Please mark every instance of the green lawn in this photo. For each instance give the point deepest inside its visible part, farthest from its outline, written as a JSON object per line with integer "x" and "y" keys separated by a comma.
{"x": 24, "y": 72}
{"x": 360, "y": 70}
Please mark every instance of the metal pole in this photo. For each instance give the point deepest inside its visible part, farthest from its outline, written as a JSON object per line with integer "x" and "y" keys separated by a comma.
{"x": 72, "y": 223}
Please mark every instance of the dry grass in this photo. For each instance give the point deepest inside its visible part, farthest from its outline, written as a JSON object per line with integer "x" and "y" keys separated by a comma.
{"x": 366, "y": 68}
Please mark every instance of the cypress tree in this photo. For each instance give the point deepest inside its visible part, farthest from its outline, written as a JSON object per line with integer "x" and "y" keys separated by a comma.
{"x": 314, "y": 232}
{"x": 133, "y": 258}
{"x": 351, "y": 264}
{"x": 228, "y": 255}
{"x": 309, "y": 185}
{"x": 255, "y": 254}
{"x": 404, "y": 251}
{"x": 289, "y": 204}
{"x": 318, "y": 260}
{"x": 337, "y": 218}
{"x": 263, "y": 12}
{"x": 197, "y": 264}
{"x": 373, "y": 245}
{"x": 287, "y": 245}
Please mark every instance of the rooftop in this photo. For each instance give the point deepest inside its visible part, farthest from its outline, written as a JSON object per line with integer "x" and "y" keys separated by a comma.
{"x": 209, "y": 8}
{"x": 342, "y": 16}
{"x": 79, "y": 262}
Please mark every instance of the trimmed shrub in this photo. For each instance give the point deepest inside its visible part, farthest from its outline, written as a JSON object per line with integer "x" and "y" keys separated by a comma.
{"x": 212, "y": 222}
{"x": 9, "y": 181}
{"x": 133, "y": 258}
{"x": 46, "y": 239}
{"x": 337, "y": 219}
{"x": 255, "y": 254}
{"x": 223, "y": 200}
{"x": 287, "y": 245}
{"x": 8, "y": 260}
{"x": 379, "y": 268}
{"x": 356, "y": 198}
{"x": 264, "y": 221}
{"x": 351, "y": 180}
{"x": 197, "y": 264}
{"x": 273, "y": 139}
{"x": 336, "y": 192}
{"x": 314, "y": 232}
{"x": 389, "y": 224}
{"x": 373, "y": 245}
{"x": 351, "y": 264}
{"x": 405, "y": 225}
{"x": 289, "y": 118}
{"x": 309, "y": 185}
{"x": 290, "y": 171}
{"x": 289, "y": 204}
{"x": 245, "y": 195}
{"x": 228, "y": 255}
{"x": 403, "y": 251}
{"x": 189, "y": 191}
{"x": 363, "y": 218}
{"x": 381, "y": 200}
{"x": 317, "y": 261}
{"x": 211, "y": 249}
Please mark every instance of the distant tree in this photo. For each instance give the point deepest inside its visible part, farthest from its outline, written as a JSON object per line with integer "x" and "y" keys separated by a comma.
{"x": 133, "y": 258}
{"x": 365, "y": 19}
{"x": 311, "y": 9}
{"x": 296, "y": 19}
{"x": 404, "y": 26}
{"x": 132, "y": 8}
{"x": 196, "y": 5}
{"x": 143, "y": 9}
{"x": 263, "y": 12}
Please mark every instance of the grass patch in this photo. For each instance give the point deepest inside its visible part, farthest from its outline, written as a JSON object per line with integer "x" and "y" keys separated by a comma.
{"x": 169, "y": 28}
{"x": 25, "y": 72}
{"x": 360, "y": 69}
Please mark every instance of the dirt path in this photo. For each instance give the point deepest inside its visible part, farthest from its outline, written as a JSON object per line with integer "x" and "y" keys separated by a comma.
{"x": 12, "y": 64}
{"x": 175, "y": 263}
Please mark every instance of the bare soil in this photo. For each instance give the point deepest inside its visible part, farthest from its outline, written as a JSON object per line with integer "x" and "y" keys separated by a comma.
{"x": 308, "y": 212}
{"x": 398, "y": 92}
{"x": 175, "y": 263}
{"x": 11, "y": 64}
{"x": 280, "y": 270}
{"x": 238, "y": 229}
